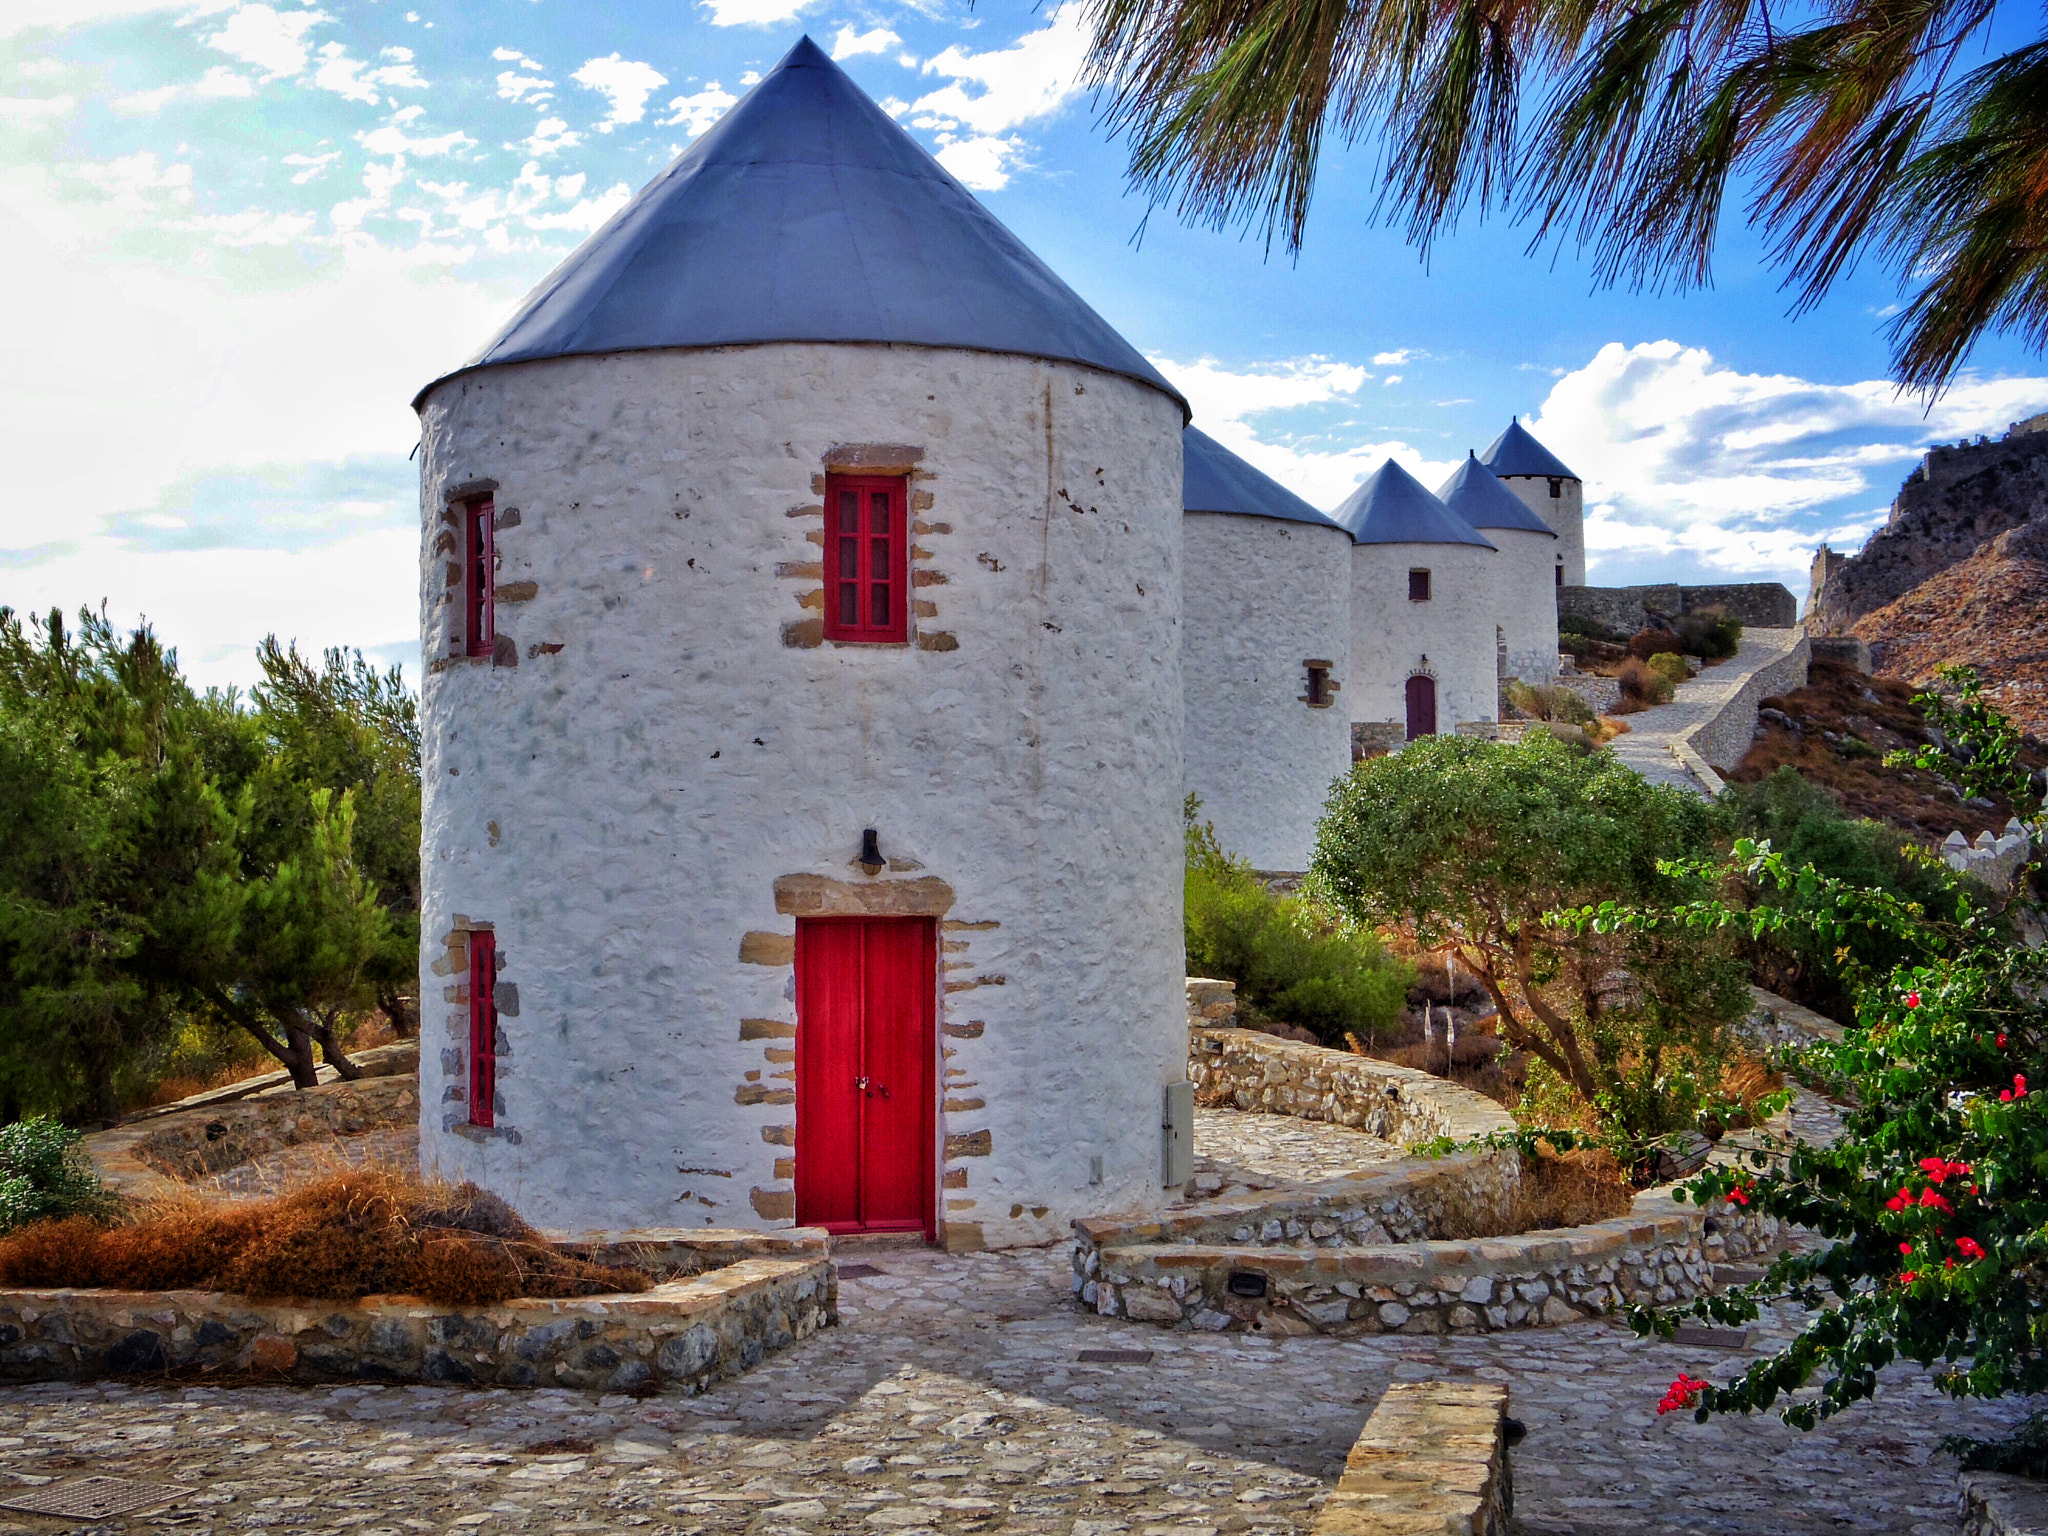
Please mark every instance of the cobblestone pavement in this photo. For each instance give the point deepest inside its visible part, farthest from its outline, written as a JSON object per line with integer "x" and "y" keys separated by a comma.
{"x": 953, "y": 1399}
{"x": 1240, "y": 1153}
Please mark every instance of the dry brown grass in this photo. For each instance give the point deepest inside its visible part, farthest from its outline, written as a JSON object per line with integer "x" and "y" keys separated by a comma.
{"x": 1568, "y": 1190}
{"x": 368, "y": 1231}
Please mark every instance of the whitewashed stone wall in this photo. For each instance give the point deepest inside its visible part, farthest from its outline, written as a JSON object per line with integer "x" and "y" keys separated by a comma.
{"x": 1565, "y": 515}
{"x": 1454, "y": 630}
{"x": 1525, "y": 600}
{"x": 1263, "y": 596}
{"x": 663, "y": 765}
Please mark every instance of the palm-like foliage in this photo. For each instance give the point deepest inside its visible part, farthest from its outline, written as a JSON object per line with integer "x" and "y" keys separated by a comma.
{"x": 1849, "y": 123}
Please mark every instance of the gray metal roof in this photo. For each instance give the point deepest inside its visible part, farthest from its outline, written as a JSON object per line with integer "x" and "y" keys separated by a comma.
{"x": 806, "y": 214}
{"x": 1476, "y": 495}
{"x": 1515, "y": 452}
{"x": 1393, "y": 507}
{"x": 1213, "y": 479}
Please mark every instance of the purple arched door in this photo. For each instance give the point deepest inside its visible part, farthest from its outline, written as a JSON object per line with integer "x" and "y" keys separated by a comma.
{"x": 1421, "y": 707}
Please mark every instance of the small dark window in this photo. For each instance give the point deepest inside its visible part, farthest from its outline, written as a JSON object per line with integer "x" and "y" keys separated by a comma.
{"x": 1418, "y": 586}
{"x": 867, "y": 559}
{"x": 1560, "y": 575}
{"x": 1556, "y": 487}
{"x": 479, "y": 622}
{"x": 1321, "y": 690}
{"x": 483, "y": 1028}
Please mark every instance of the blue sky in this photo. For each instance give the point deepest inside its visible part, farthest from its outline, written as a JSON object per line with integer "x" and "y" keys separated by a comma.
{"x": 239, "y": 237}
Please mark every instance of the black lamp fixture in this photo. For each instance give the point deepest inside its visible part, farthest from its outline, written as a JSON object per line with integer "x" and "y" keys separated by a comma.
{"x": 870, "y": 860}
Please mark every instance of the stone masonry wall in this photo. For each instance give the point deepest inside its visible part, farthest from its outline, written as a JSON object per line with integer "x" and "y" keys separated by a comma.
{"x": 1760, "y": 604}
{"x": 681, "y": 1336}
{"x": 1723, "y": 738}
{"x": 1432, "y": 1459}
{"x": 1662, "y": 1252}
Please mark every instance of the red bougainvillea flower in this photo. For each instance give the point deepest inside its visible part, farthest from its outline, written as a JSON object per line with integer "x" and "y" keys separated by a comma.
{"x": 1937, "y": 1170}
{"x": 1912, "y": 999}
{"x": 1739, "y": 1195}
{"x": 1899, "y": 1201}
{"x": 1906, "y": 1248}
{"x": 2019, "y": 1085}
{"x": 1930, "y": 1198}
{"x": 1908, "y": 1278}
{"x": 1969, "y": 1248}
{"x": 2001, "y": 1040}
{"x": 1682, "y": 1393}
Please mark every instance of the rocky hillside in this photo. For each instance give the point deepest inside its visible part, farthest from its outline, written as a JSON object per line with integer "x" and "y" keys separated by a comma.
{"x": 1959, "y": 573}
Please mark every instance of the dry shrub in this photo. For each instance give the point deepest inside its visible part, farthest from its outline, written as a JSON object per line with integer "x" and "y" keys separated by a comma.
{"x": 1646, "y": 643}
{"x": 364, "y": 1232}
{"x": 1641, "y": 687}
{"x": 1555, "y": 1191}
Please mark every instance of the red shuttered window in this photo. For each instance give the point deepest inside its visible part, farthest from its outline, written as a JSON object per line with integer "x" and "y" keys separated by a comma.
{"x": 479, "y": 625}
{"x": 483, "y": 1028}
{"x": 867, "y": 559}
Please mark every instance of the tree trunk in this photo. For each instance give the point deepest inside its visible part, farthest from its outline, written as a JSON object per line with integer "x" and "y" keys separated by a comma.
{"x": 295, "y": 1055}
{"x": 321, "y": 1028}
{"x": 392, "y": 1003}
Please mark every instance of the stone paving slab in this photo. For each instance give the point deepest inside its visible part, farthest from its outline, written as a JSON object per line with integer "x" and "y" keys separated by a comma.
{"x": 1243, "y": 1153}
{"x": 952, "y": 1399}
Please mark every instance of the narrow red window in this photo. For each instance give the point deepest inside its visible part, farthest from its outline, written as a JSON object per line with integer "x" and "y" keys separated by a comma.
{"x": 867, "y": 559}
{"x": 480, "y": 582}
{"x": 483, "y": 1028}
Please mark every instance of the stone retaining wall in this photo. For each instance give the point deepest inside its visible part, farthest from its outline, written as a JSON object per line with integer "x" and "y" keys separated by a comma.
{"x": 1241, "y": 1069}
{"x": 1432, "y": 1459}
{"x": 680, "y": 1336}
{"x": 1998, "y": 1504}
{"x": 1758, "y": 604}
{"x": 141, "y": 1159}
{"x": 1723, "y": 738}
{"x": 1661, "y": 1252}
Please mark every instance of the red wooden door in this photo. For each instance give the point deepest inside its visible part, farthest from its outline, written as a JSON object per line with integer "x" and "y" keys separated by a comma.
{"x": 864, "y": 1047}
{"x": 1421, "y": 707}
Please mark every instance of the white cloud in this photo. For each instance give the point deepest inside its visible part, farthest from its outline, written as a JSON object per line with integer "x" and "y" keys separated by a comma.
{"x": 1391, "y": 379}
{"x": 35, "y": 111}
{"x": 272, "y": 40}
{"x": 756, "y": 13}
{"x": 549, "y": 136}
{"x": 392, "y": 138}
{"x": 40, "y": 69}
{"x": 26, "y": 15}
{"x": 357, "y": 81}
{"x": 1321, "y": 467}
{"x": 588, "y": 214}
{"x": 983, "y": 163}
{"x": 1032, "y": 78}
{"x": 1391, "y": 359}
{"x": 625, "y": 83}
{"x": 218, "y": 83}
{"x": 1742, "y": 473}
{"x": 313, "y": 167}
{"x": 700, "y": 110}
{"x": 137, "y": 182}
{"x": 851, "y": 44}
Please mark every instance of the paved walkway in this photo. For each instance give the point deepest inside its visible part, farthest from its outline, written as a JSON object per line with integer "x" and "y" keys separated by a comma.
{"x": 1647, "y": 746}
{"x": 1240, "y": 1153}
{"x": 953, "y": 1399}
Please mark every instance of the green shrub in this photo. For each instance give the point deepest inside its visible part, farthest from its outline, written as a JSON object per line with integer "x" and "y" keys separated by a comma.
{"x": 45, "y": 1174}
{"x": 1588, "y": 629}
{"x": 1709, "y": 632}
{"x": 1670, "y": 666}
{"x": 1575, "y": 644}
{"x": 1803, "y": 822}
{"x": 1288, "y": 963}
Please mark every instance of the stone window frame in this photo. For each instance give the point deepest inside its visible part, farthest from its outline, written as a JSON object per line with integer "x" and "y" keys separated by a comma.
{"x": 451, "y": 538}
{"x": 454, "y": 963}
{"x": 1320, "y": 690}
{"x": 922, "y": 606}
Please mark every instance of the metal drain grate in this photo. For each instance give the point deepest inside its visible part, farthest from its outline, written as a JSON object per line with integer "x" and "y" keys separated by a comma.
{"x": 857, "y": 1271}
{"x": 1714, "y": 1338}
{"x": 1116, "y": 1357}
{"x": 92, "y": 1498}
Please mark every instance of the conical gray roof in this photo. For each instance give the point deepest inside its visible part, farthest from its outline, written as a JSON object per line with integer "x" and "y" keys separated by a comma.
{"x": 1393, "y": 507}
{"x": 1476, "y": 495}
{"x": 1515, "y": 452}
{"x": 1213, "y": 479}
{"x": 806, "y": 214}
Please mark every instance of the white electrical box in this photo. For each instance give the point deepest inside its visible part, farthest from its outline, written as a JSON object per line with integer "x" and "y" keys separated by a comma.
{"x": 1177, "y": 1135}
